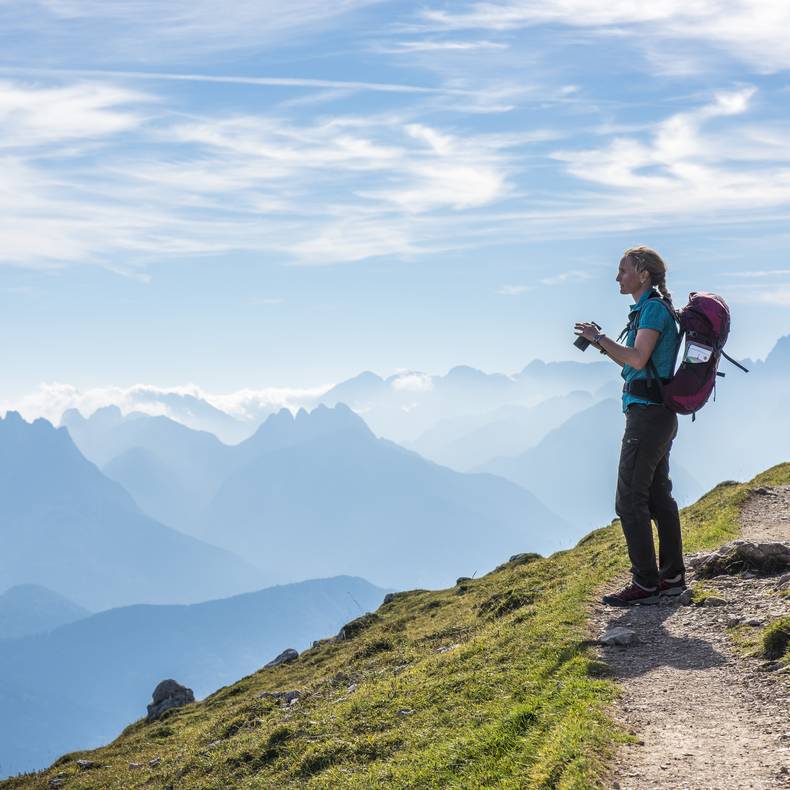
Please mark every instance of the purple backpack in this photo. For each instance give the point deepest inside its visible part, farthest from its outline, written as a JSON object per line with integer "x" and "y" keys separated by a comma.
{"x": 705, "y": 323}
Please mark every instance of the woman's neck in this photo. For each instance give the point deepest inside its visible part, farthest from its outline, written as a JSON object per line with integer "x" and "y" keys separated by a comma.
{"x": 637, "y": 295}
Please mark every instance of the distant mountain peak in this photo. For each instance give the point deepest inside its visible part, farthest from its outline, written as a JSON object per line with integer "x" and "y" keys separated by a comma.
{"x": 780, "y": 351}
{"x": 283, "y": 428}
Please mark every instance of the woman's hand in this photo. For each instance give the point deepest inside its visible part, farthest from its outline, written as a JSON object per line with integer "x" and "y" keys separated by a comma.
{"x": 587, "y": 331}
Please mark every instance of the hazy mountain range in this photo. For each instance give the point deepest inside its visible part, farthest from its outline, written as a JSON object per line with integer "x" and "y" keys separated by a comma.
{"x": 574, "y": 467}
{"x": 79, "y": 685}
{"x": 67, "y": 527}
{"x": 31, "y": 609}
{"x": 317, "y": 493}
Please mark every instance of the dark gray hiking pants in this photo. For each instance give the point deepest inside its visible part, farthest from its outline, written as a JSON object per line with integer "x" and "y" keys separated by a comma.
{"x": 644, "y": 492}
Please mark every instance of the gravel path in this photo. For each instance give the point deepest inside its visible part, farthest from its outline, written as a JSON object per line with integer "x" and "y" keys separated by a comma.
{"x": 706, "y": 718}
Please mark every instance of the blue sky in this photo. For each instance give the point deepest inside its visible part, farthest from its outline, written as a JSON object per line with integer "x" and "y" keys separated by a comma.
{"x": 270, "y": 194}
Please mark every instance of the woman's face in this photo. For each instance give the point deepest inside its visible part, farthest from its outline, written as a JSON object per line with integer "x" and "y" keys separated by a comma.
{"x": 629, "y": 278}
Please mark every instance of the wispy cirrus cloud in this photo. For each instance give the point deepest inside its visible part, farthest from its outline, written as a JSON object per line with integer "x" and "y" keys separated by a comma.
{"x": 33, "y": 116}
{"x": 338, "y": 188}
{"x": 702, "y": 165}
{"x": 514, "y": 290}
{"x": 432, "y": 45}
{"x": 149, "y": 31}
{"x": 752, "y": 31}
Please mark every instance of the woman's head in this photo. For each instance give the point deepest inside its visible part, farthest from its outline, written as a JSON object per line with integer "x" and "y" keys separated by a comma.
{"x": 641, "y": 266}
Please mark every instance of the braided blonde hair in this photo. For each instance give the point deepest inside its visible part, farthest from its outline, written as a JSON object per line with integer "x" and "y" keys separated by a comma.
{"x": 648, "y": 260}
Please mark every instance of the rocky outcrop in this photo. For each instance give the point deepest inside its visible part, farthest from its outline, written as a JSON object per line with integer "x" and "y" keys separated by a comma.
{"x": 168, "y": 694}
{"x": 284, "y": 658}
{"x": 740, "y": 556}
{"x": 350, "y": 630}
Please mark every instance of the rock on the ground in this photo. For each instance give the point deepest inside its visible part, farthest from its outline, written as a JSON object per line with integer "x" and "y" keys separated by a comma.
{"x": 618, "y": 636}
{"x": 86, "y": 765}
{"x": 285, "y": 657}
{"x": 285, "y": 696}
{"x": 714, "y": 600}
{"x": 168, "y": 694}
{"x": 685, "y": 598}
{"x": 743, "y": 555}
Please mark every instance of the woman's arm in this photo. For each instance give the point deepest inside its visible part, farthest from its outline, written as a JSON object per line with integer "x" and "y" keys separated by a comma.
{"x": 637, "y": 357}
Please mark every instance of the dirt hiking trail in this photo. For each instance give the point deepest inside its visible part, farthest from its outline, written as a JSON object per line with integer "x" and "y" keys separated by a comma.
{"x": 707, "y": 718}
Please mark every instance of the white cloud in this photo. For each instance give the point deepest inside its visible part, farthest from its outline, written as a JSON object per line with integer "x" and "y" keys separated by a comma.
{"x": 775, "y": 295}
{"x": 150, "y": 31}
{"x": 441, "y": 46}
{"x": 753, "y": 31}
{"x": 50, "y": 400}
{"x": 574, "y": 275}
{"x": 32, "y": 116}
{"x": 686, "y": 169}
{"x": 236, "y": 79}
{"x": 514, "y": 290}
{"x": 412, "y": 382}
{"x": 765, "y": 273}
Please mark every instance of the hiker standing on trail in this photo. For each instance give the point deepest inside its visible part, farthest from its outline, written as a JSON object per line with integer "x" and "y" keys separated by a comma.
{"x": 644, "y": 489}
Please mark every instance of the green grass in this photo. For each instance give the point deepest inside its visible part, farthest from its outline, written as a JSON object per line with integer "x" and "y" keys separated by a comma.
{"x": 493, "y": 683}
{"x": 775, "y": 638}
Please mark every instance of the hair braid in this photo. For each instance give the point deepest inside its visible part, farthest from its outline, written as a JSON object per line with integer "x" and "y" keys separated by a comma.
{"x": 648, "y": 260}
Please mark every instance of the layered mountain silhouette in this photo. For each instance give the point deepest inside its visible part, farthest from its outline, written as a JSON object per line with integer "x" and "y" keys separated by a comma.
{"x": 339, "y": 497}
{"x": 407, "y": 404}
{"x": 171, "y": 470}
{"x": 81, "y": 684}
{"x": 465, "y": 442}
{"x": 574, "y": 468}
{"x": 67, "y": 527}
{"x": 31, "y": 609}
{"x": 318, "y": 493}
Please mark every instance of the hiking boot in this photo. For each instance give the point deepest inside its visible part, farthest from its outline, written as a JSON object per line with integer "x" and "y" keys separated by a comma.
{"x": 671, "y": 587}
{"x": 632, "y": 595}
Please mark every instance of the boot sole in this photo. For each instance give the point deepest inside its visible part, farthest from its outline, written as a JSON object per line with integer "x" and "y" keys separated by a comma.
{"x": 641, "y": 602}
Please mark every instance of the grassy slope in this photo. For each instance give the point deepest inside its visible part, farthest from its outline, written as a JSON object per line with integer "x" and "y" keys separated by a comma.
{"x": 516, "y": 701}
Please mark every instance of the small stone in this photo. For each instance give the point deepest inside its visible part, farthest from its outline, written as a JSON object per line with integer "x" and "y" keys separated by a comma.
{"x": 86, "y": 765}
{"x": 406, "y": 711}
{"x": 285, "y": 696}
{"x": 352, "y": 688}
{"x": 685, "y": 598}
{"x": 153, "y": 763}
{"x": 618, "y": 636}
{"x": 461, "y": 579}
{"x": 753, "y": 622}
{"x": 284, "y": 658}
{"x": 714, "y": 600}
{"x": 733, "y": 621}
{"x": 57, "y": 782}
{"x": 135, "y": 766}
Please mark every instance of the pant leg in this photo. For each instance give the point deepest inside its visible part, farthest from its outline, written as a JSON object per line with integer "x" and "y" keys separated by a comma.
{"x": 664, "y": 510}
{"x": 648, "y": 436}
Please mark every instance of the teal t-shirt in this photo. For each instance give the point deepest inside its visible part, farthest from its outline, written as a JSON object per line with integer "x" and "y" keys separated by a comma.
{"x": 652, "y": 315}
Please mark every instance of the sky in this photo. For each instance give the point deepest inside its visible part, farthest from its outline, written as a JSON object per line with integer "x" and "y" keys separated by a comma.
{"x": 270, "y": 194}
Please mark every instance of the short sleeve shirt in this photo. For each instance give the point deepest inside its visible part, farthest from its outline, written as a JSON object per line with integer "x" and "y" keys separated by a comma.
{"x": 652, "y": 315}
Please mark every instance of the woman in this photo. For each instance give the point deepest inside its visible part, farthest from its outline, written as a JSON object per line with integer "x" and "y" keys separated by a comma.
{"x": 644, "y": 490}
